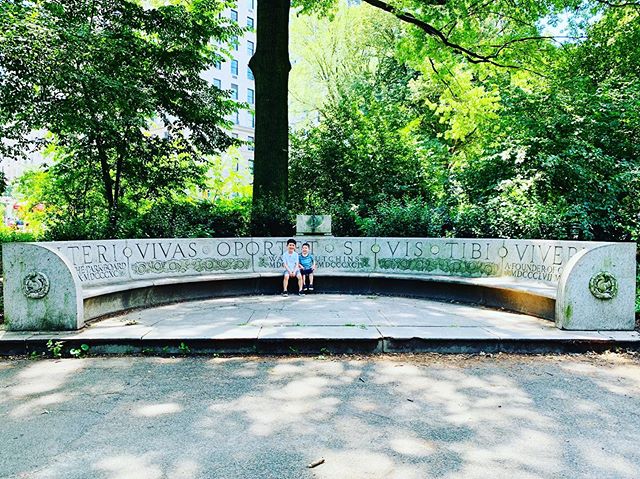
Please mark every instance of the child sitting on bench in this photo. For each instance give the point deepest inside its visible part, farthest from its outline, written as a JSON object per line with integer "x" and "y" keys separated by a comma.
{"x": 307, "y": 267}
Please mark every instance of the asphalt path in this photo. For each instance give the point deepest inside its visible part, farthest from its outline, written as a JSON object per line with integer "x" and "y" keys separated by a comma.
{"x": 405, "y": 417}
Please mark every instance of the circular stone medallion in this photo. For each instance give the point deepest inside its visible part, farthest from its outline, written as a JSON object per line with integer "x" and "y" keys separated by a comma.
{"x": 35, "y": 285}
{"x": 603, "y": 285}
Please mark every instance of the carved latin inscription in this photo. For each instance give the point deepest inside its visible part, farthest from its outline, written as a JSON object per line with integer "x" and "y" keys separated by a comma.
{"x": 100, "y": 262}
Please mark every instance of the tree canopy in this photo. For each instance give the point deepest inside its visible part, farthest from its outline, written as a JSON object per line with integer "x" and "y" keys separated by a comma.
{"x": 441, "y": 35}
{"x": 91, "y": 81}
{"x": 489, "y": 151}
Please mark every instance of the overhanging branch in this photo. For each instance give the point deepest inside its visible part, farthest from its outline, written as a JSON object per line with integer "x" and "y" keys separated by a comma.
{"x": 613, "y": 3}
{"x": 470, "y": 55}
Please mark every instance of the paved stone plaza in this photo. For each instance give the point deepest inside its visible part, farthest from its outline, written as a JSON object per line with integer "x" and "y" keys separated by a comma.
{"x": 403, "y": 417}
{"x": 333, "y": 316}
{"x": 339, "y": 323}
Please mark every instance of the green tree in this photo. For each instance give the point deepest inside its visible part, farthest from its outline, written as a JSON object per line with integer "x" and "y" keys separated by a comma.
{"x": 356, "y": 152}
{"x": 270, "y": 66}
{"x": 502, "y": 152}
{"x": 363, "y": 150}
{"x": 97, "y": 77}
{"x": 499, "y": 34}
{"x": 563, "y": 160}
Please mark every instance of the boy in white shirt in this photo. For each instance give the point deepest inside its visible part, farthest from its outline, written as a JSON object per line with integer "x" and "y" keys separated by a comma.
{"x": 290, "y": 261}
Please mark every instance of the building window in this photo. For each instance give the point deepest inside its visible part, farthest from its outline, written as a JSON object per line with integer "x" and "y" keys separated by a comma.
{"x": 217, "y": 83}
{"x": 234, "y": 67}
{"x": 236, "y": 118}
{"x": 253, "y": 120}
{"x": 252, "y": 4}
{"x": 217, "y": 65}
{"x": 234, "y": 91}
{"x": 250, "y": 96}
{"x": 234, "y": 15}
{"x": 234, "y": 43}
{"x": 250, "y": 22}
{"x": 250, "y": 48}
{"x": 250, "y": 74}
{"x": 250, "y": 146}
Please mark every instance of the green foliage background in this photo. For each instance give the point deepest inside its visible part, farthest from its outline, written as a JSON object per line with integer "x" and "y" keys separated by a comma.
{"x": 400, "y": 134}
{"x": 417, "y": 142}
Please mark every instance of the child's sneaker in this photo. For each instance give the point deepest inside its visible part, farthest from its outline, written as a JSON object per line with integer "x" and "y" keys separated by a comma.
{"x": 300, "y": 293}
{"x": 310, "y": 288}
{"x": 285, "y": 294}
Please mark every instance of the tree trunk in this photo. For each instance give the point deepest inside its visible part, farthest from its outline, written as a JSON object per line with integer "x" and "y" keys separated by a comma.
{"x": 270, "y": 66}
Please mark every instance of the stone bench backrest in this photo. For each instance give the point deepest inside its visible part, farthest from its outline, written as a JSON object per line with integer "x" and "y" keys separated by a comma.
{"x": 104, "y": 262}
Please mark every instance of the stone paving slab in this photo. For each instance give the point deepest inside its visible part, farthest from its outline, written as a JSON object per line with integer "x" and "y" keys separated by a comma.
{"x": 116, "y": 332}
{"x": 320, "y": 332}
{"x": 621, "y": 335}
{"x": 419, "y": 320}
{"x": 14, "y": 335}
{"x": 349, "y": 323}
{"x": 203, "y": 331}
{"x": 275, "y": 319}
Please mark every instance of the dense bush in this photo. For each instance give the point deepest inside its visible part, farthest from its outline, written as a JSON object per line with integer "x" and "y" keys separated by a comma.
{"x": 406, "y": 219}
{"x": 184, "y": 218}
{"x": 187, "y": 219}
{"x": 345, "y": 220}
{"x": 9, "y": 235}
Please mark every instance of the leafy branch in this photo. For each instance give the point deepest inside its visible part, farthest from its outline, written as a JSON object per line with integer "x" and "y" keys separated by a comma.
{"x": 471, "y": 55}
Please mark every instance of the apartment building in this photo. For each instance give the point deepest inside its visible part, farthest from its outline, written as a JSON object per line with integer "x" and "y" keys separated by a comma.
{"x": 236, "y": 76}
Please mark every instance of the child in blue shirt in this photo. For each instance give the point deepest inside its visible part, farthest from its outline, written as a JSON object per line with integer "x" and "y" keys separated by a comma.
{"x": 307, "y": 267}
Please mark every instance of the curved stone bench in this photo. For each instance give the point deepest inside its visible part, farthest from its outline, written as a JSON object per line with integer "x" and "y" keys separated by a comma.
{"x": 58, "y": 286}
{"x": 104, "y": 300}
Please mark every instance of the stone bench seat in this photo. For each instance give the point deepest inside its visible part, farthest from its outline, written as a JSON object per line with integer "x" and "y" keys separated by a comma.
{"x": 101, "y": 290}
{"x": 505, "y": 293}
{"x": 541, "y": 289}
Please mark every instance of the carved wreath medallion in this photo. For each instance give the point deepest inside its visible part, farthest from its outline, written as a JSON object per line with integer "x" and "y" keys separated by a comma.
{"x": 603, "y": 285}
{"x": 35, "y": 285}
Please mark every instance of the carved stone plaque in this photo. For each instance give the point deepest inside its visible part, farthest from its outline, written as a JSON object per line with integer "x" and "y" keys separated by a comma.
{"x": 313, "y": 224}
